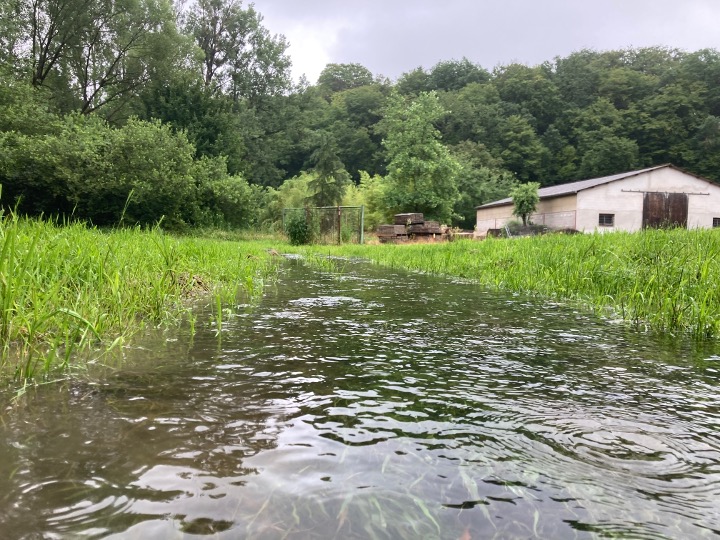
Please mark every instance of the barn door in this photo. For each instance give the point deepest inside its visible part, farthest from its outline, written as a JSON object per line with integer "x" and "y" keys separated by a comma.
{"x": 665, "y": 210}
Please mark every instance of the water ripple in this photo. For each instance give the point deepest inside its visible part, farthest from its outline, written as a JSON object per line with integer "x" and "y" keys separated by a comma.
{"x": 378, "y": 404}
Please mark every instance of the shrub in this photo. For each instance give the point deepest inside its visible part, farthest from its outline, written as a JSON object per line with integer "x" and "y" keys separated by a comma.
{"x": 297, "y": 229}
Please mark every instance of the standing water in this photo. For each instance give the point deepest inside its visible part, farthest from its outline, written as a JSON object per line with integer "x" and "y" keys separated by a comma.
{"x": 376, "y": 404}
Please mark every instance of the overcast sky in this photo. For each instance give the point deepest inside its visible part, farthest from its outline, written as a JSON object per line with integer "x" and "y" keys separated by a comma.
{"x": 390, "y": 37}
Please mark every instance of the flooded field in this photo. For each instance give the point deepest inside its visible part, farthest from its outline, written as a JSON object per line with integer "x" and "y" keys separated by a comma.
{"x": 375, "y": 404}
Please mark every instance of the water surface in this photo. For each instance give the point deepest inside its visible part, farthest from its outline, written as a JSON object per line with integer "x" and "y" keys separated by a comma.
{"x": 376, "y": 404}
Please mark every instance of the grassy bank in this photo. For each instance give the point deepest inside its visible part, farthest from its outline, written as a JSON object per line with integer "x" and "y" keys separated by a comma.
{"x": 64, "y": 289}
{"x": 667, "y": 280}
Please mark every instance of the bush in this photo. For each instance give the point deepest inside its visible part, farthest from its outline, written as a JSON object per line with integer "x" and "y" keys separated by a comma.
{"x": 297, "y": 229}
{"x": 370, "y": 193}
{"x": 137, "y": 174}
{"x": 291, "y": 194}
{"x": 516, "y": 228}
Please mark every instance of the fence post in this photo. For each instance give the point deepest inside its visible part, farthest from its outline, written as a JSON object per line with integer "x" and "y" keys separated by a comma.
{"x": 339, "y": 223}
{"x": 362, "y": 224}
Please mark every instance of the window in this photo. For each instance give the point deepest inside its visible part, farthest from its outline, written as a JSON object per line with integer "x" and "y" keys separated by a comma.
{"x": 606, "y": 220}
{"x": 716, "y": 222}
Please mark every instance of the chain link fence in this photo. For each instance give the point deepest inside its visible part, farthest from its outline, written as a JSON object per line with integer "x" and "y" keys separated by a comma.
{"x": 325, "y": 224}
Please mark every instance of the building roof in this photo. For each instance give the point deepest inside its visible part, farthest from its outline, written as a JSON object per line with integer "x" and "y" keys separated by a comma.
{"x": 573, "y": 187}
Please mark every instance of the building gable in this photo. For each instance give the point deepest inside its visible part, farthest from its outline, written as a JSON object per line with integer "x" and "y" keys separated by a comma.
{"x": 561, "y": 190}
{"x": 618, "y": 202}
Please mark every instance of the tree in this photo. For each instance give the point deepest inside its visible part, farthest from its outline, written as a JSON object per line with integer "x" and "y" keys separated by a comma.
{"x": 215, "y": 124}
{"x": 605, "y": 153}
{"x": 22, "y": 108}
{"x": 230, "y": 200}
{"x": 370, "y": 193}
{"x": 422, "y": 174}
{"x": 351, "y": 118}
{"x": 481, "y": 180}
{"x": 705, "y": 147}
{"x": 240, "y": 57}
{"x": 14, "y": 17}
{"x": 533, "y": 90}
{"x": 599, "y": 114}
{"x": 280, "y": 139}
{"x": 525, "y": 200}
{"x": 577, "y": 77}
{"x": 330, "y": 178}
{"x": 339, "y": 77}
{"x": 456, "y": 74}
{"x": 522, "y": 151}
{"x": 562, "y": 164}
{"x": 361, "y": 106}
{"x": 87, "y": 169}
{"x": 623, "y": 86}
{"x": 666, "y": 121}
{"x": 51, "y": 172}
{"x": 413, "y": 83}
{"x": 93, "y": 53}
{"x": 152, "y": 162}
{"x": 293, "y": 193}
{"x": 476, "y": 114}
{"x": 704, "y": 67}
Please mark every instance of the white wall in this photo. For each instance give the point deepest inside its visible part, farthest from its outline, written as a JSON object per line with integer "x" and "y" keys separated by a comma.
{"x": 556, "y": 213}
{"x": 624, "y": 198}
{"x": 492, "y": 218}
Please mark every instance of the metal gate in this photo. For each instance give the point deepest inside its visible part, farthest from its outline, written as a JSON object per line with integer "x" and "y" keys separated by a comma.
{"x": 665, "y": 210}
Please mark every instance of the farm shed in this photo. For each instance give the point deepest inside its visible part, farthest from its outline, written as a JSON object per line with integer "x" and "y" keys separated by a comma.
{"x": 628, "y": 201}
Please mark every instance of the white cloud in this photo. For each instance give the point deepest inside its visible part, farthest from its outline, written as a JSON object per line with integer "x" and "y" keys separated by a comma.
{"x": 309, "y": 52}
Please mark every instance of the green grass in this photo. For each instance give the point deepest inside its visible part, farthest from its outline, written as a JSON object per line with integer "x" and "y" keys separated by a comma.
{"x": 666, "y": 280}
{"x": 70, "y": 288}
{"x": 67, "y": 289}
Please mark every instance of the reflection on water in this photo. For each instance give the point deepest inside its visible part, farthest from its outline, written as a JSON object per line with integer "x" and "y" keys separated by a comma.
{"x": 377, "y": 404}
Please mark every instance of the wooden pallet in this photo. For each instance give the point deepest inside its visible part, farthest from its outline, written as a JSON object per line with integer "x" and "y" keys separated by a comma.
{"x": 411, "y": 225}
{"x": 409, "y": 219}
{"x": 428, "y": 227}
{"x": 391, "y": 230}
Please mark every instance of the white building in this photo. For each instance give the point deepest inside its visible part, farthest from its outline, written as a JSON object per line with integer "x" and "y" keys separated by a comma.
{"x": 628, "y": 201}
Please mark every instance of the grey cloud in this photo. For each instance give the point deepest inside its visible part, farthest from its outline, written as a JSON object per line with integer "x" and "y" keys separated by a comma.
{"x": 391, "y": 37}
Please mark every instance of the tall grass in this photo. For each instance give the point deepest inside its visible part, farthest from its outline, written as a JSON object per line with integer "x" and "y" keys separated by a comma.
{"x": 68, "y": 287}
{"x": 667, "y": 280}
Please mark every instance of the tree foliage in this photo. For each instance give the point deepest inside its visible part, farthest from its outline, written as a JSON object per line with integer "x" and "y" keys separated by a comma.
{"x": 454, "y": 75}
{"x": 94, "y": 54}
{"x": 481, "y": 179}
{"x": 525, "y": 200}
{"x": 186, "y": 113}
{"x": 330, "y": 177}
{"x": 239, "y": 55}
{"x": 422, "y": 174}
{"x": 142, "y": 173}
{"x": 339, "y": 77}
{"x": 371, "y": 194}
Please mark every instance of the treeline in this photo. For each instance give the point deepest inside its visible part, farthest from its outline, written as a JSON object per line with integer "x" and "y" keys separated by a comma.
{"x": 139, "y": 110}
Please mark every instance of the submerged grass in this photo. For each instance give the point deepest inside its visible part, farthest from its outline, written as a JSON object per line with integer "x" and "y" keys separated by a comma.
{"x": 68, "y": 288}
{"x": 666, "y": 280}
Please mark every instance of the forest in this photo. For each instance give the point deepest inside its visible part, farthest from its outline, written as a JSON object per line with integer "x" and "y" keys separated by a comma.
{"x": 142, "y": 112}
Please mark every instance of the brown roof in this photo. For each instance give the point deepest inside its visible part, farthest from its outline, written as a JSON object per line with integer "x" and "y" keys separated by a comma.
{"x": 574, "y": 187}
